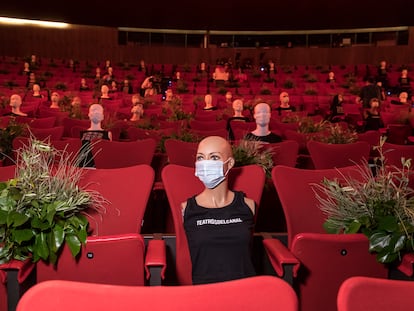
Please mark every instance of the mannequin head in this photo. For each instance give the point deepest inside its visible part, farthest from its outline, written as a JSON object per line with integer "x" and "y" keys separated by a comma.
{"x": 262, "y": 114}
{"x": 15, "y": 101}
{"x": 96, "y": 114}
{"x": 284, "y": 99}
{"x": 403, "y": 97}
{"x": 228, "y": 96}
{"x": 54, "y": 100}
{"x": 208, "y": 100}
{"x": 216, "y": 148}
{"x": 237, "y": 107}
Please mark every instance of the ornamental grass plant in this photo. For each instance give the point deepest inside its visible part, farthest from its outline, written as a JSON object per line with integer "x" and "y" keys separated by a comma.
{"x": 42, "y": 207}
{"x": 379, "y": 205}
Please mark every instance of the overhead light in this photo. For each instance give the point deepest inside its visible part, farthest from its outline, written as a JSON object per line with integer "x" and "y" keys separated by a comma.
{"x": 30, "y": 22}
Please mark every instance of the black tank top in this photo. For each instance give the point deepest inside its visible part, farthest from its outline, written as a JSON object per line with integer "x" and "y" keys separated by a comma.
{"x": 219, "y": 240}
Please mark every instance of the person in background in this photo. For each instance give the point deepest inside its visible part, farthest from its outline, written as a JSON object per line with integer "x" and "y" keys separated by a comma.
{"x": 368, "y": 91}
{"x": 404, "y": 83}
{"x": 219, "y": 250}
{"x": 382, "y": 75}
{"x": 372, "y": 116}
{"x": 336, "y": 109}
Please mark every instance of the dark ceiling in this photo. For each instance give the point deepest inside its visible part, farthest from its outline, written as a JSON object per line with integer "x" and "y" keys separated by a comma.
{"x": 218, "y": 15}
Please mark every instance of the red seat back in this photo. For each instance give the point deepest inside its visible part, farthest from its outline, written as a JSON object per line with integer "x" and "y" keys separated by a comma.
{"x": 181, "y": 152}
{"x": 117, "y": 260}
{"x": 255, "y": 293}
{"x": 114, "y": 154}
{"x": 126, "y": 191}
{"x": 325, "y": 156}
{"x": 180, "y": 183}
{"x": 367, "y": 293}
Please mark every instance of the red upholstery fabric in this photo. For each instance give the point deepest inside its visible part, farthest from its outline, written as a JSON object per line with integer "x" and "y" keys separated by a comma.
{"x": 180, "y": 184}
{"x": 69, "y": 148}
{"x": 284, "y": 153}
{"x": 207, "y": 125}
{"x": 126, "y": 190}
{"x": 256, "y": 293}
{"x": 366, "y": 293}
{"x": 117, "y": 259}
{"x": 181, "y": 152}
{"x": 53, "y": 133}
{"x": 326, "y": 156}
{"x": 7, "y": 172}
{"x": 394, "y": 152}
{"x": 3, "y": 291}
{"x": 46, "y": 122}
{"x": 113, "y": 154}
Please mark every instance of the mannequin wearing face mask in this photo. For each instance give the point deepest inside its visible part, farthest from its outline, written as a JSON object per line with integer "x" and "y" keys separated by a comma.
{"x": 284, "y": 106}
{"x": 372, "y": 118}
{"x": 95, "y": 131}
{"x": 218, "y": 222}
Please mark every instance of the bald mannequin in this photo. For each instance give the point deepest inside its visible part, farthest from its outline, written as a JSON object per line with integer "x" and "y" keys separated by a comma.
{"x": 96, "y": 115}
{"x": 55, "y": 100}
{"x": 218, "y": 222}
{"x": 262, "y": 132}
{"x": 218, "y": 149}
{"x": 284, "y": 106}
{"x": 238, "y": 108}
{"x": 208, "y": 101}
{"x": 15, "y": 104}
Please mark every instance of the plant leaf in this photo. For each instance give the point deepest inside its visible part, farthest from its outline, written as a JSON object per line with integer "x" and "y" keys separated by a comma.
{"x": 353, "y": 227}
{"x": 58, "y": 236}
{"x": 22, "y": 235}
{"x": 3, "y": 217}
{"x": 398, "y": 242}
{"x": 39, "y": 224}
{"x": 40, "y": 248}
{"x": 378, "y": 241}
{"x": 388, "y": 223}
{"x": 386, "y": 257}
{"x": 330, "y": 227}
{"x": 73, "y": 243}
{"x": 16, "y": 219}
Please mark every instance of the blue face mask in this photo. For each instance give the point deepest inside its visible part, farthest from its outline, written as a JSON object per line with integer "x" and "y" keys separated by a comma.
{"x": 210, "y": 172}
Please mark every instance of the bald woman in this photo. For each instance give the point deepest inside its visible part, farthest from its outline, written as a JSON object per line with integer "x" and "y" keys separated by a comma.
{"x": 218, "y": 221}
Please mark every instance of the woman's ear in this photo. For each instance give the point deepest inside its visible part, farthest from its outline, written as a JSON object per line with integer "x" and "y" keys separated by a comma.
{"x": 231, "y": 162}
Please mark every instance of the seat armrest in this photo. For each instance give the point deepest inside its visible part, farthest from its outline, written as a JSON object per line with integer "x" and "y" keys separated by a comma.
{"x": 407, "y": 264}
{"x": 155, "y": 258}
{"x": 23, "y": 268}
{"x": 280, "y": 257}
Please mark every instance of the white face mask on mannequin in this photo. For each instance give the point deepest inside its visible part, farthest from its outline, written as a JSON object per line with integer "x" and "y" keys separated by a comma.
{"x": 210, "y": 172}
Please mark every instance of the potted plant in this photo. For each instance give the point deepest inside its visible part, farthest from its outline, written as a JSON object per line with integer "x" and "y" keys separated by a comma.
{"x": 7, "y": 135}
{"x": 42, "y": 208}
{"x": 379, "y": 205}
{"x": 253, "y": 152}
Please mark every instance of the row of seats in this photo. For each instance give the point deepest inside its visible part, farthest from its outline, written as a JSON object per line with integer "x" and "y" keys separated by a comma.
{"x": 304, "y": 234}
{"x": 256, "y": 293}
